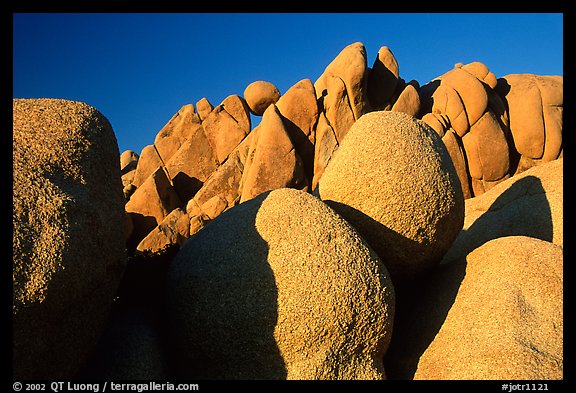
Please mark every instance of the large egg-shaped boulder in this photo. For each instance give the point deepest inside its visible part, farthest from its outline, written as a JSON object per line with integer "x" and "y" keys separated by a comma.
{"x": 394, "y": 181}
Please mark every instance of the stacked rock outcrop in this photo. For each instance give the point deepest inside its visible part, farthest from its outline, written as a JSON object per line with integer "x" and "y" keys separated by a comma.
{"x": 534, "y": 104}
{"x": 400, "y": 182}
{"x": 361, "y": 231}
{"x": 348, "y": 89}
{"x": 213, "y": 161}
{"x": 471, "y": 110}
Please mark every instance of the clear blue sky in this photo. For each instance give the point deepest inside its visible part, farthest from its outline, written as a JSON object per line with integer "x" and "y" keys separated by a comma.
{"x": 139, "y": 69}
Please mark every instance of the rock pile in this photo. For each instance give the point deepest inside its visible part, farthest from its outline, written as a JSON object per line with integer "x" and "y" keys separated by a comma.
{"x": 358, "y": 232}
{"x": 472, "y": 111}
{"x": 213, "y": 161}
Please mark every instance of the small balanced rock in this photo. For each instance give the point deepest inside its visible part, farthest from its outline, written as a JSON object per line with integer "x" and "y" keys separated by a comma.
{"x": 260, "y": 95}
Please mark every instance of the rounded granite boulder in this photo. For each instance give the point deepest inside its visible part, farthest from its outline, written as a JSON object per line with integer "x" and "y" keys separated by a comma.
{"x": 68, "y": 234}
{"x": 505, "y": 319}
{"x": 260, "y": 95}
{"x": 279, "y": 287}
{"x": 394, "y": 181}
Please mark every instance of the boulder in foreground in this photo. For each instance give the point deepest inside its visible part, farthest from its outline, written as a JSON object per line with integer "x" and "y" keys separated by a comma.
{"x": 280, "y": 287}
{"x": 68, "y": 234}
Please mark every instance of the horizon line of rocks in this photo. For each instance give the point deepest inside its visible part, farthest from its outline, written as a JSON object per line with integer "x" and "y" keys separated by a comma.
{"x": 208, "y": 159}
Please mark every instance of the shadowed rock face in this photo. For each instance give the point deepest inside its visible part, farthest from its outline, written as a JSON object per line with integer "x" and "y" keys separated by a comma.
{"x": 279, "y": 287}
{"x": 528, "y": 204}
{"x": 150, "y": 204}
{"x": 394, "y": 181}
{"x": 68, "y": 239}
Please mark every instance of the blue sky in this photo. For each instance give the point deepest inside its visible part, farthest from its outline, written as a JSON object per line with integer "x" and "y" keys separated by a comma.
{"x": 139, "y": 69}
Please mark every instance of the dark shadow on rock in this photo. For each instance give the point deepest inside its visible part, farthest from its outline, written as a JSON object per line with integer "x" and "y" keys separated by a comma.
{"x": 186, "y": 186}
{"x": 381, "y": 85}
{"x": 521, "y": 210}
{"x": 390, "y": 245}
{"x": 131, "y": 346}
{"x": 303, "y": 146}
{"x": 422, "y": 307}
{"x": 130, "y": 167}
{"x": 143, "y": 225}
{"x": 426, "y": 101}
{"x": 222, "y": 308}
{"x": 501, "y": 90}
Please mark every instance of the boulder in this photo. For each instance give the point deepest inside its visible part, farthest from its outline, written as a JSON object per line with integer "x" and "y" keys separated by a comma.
{"x": 504, "y": 320}
{"x": 128, "y": 188}
{"x": 260, "y": 95}
{"x": 470, "y": 90}
{"x": 204, "y": 107}
{"x": 448, "y": 102}
{"x": 394, "y": 181}
{"x": 172, "y": 231}
{"x": 196, "y": 223}
{"x": 191, "y": 165}
{"x": 438, "y": 121}
{"x": 179, "y": 128}
{"x": 527, "y": 204}
{"x": 341, "y": 92}
{"x": 128, "y": 161}
{"x": 224, "y": 182}
{"x": 227, "y": 125}
{"x": 68, "y": 234}
{"x": 486, "y": 148}
{"x": 350, "y": 67}
{"x": 535, "y": 108}
{"x": 456, "y": 150}
{"x": 464, "y": 100}
{"x": 128, "y": 179}
{"x": 279, "y": 287}
{"x": 213, "y": 207}
{"x": 481, "y": 72}
{"x": 147, "y": 163}
{"x": 409, "y": 100}
{"x": 274, "y": 162}
{"x": 325, "y": 145}
{"x": 150, "y": 204}
{"x": 299, "y": 112}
